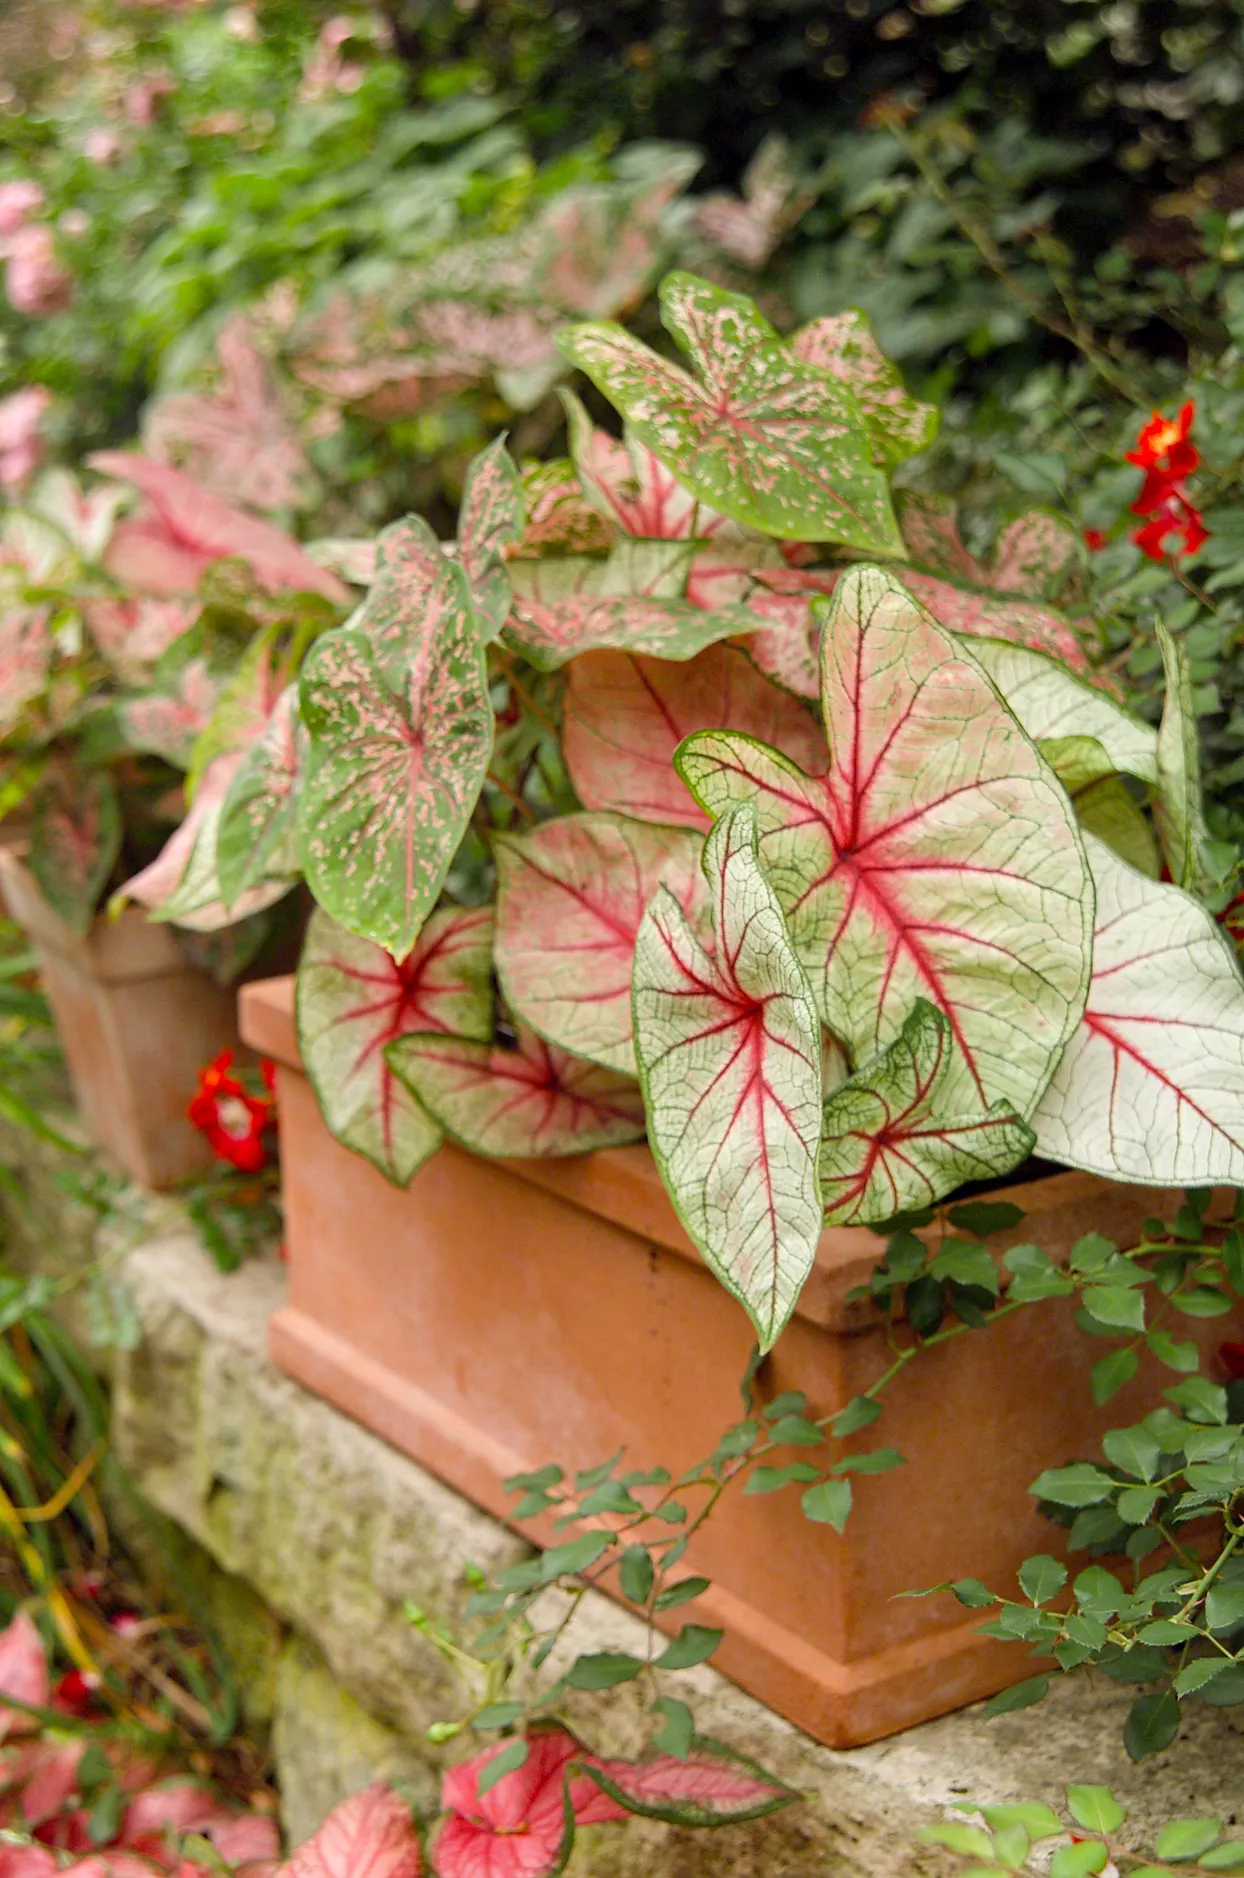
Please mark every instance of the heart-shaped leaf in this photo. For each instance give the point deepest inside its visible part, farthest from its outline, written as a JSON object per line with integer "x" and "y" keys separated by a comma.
{"x": 570, "y": 899}
{"x": 1151, "y": 1086}
{"x": 256, "y": 836}
{"x": 925, "y": 864}
{"x": 889, "y": 1145}
{"x": 1051, "y": 702}
{"x": 353, "y": 999}
{"x": 997, "y": 616}
{"x": 729, "y": 1054}
{"x": 371, "y": 1833}
{"x": 1178, "y": 811}
{"x": 181, "y": 885}
{"x": 1101, "y": 800}
{"x": 169, "y": 718}
{"x": 400, "y": 725}
{"x": 844, "y": 345}
{"x": 75, "y": 839}
{"x": 931, "y": 535}
{"x": 1039, "y": 552}
{"x": 759, "y": 435}
{"x": 632, "y": 602}
{"x": 531, "y": 1102}
{"x": 490, "y": 519}
{"x": 624, "y": 717}
{"x": 630, "y": 486}
{"x": 25, "y": 658}
{"x": 709, "y": 1786}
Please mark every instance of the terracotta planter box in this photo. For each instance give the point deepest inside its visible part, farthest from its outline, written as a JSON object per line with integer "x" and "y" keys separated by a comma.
{"x": 136, "y": 1021}
{"x": 500, "y": 1315}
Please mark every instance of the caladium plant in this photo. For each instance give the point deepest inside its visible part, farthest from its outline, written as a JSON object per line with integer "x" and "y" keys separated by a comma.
{"x": 840, "y": 882}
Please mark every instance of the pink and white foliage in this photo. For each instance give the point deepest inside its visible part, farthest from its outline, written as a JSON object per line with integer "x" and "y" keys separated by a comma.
{"x": 181, "y": 884}
{"x": 490, "y": 521}
{"x": 1038, "y": 554}
{"x": 624, "y": 717}
{"x": 749, "y": 228}
{"x": 997, "y": 616}
{"x": 21, "y": 444}
{"x": 35, "y": 281}
{"x": 1150, "y": 1088}
{"x": 710, "y": 1786}
{"x": 758, "y": 435}
{"x": 25, "y": 658}
{"x": 256, "y": 836}
{"x": 522, "y": 1827}
{"x": 571, "y": 896}
{"x": 369, "y": 1835}
{"x": 559, "y": 518}
{"x": 85, "y": 517}
{"x": 354, "y": 998}
{"x": 133, "y": 634}
{"x": 183, "y": 528}
{"x": 924, "y": 864}
{"x": 23, "y": 1674}
{"x": 843, "y": 345}
{"x": 534, "y": 1101}
{"x": 167, "y": 723}
{"x": 19, "y": 200}
{"x": 630, "y": 486}
{"x": 236, "y": 442}
{"x": 729, "y": 1053}
{"x": 633, "y": 601}
{"x": 597, "y": 247}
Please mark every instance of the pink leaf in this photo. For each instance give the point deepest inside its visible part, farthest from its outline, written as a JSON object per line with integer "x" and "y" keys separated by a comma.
{"x": 25, "y": 658}
{"x": 625, "y": 716}
{"x": 711, "y": 1787}
{"x": 353, "y": 999}
{"x": 489, "y": 522}
{"x": 519, "y": 1828}
{"x": 185, "y": 528}
{"x": 21, "y": 417}
{"x": 28, "y": 1861}
{"x": 997, "y": 616}
{"x": 23, "y": 1673}
{"x": 370, "y": 1835}
{"x": 1038, "y": 553}
{"x": 527, "y": 1103}
{"x": 167, "y": 724}
{"x": 559, "y": 519}
{"x": 931, "y": 536}
{"x": 631, "y": 602}
{"x": 630, "y": 486}
{"x": 46, "y": 1773}
{"x": 132, "y": 634}
{"x": 244, "y": 1838}
{"x": 570, "y": 899}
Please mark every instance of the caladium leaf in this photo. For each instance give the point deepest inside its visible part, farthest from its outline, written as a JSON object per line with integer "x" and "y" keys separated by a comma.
{"x": 560, "y": 520}
{"x": 570, "y": 899}
{"x": 1101, "y": 800}
{"x": 931, "y": 534}
{"x": 630, "y": 486}
{"x": 528, "y": 1103}
{"x": 25, "y": 658}
{"x": 353, "y": 999}
{"x": 168, "y": 721}
{"x": 624, "y": 717}
{"x": 400, "y": 724}
{"x": 890, "y": 1144}
{"x": 490, "y": 520}
{"x": 729, "y": 1053}
{"x": 255, "y": 838}
{"x": 1178, "y": 810}
{"x": 1052, "y": 703}
{"x": 759, "y": 435}
{"x": 711, "y": 1786}
{"x": 844, "y": 345}
{"x": 369, "y": 1835}
{"x": 632, "y": 602}
{"x": 182, "y": 885}
{"x": 1150, "y": 1088}
{"x": 927, "y": 863}
{"x": 23, "y": 1673}
{"x": 997, "y": 616}
{"x": 1039, "y": 552}
{"x": 75, "y": 839}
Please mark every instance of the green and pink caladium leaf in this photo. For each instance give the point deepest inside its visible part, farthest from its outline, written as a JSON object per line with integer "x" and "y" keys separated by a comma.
{"x": 167, "y": 721}
{"x": 532, "y": 1102}
{"x": 843, "y": 344}
{"x": 997, "y": 616}
{"x": 1101, "y": 799}
{"x": 182, "y": 885}
{"x": 25, "y": 658}
{"x": 937, "y": 859}
{"x": 570, "y": 899}
{"x": 890, "y": 1144}
{"x": 759, "y": 435}
{"x": 371, "y": 1832}
{"x": 489, "y": 521}
{"x": 1052, "y": 703}
{"x": 728, "y": 1045}
{"x": 353, "y": 998}
{"x": 1178, "y": 808}
{"x": 1039, "y": 552}
{"x": 631, "y": 602}
{"x": 560, "y": 520}
{"x": 629, "y": 486}
{"x": 712, "y": 1786}
{"x": 1150, "y": 1088}
{"x": 400, "y": 727}
{"x": 625, "y": 716}
{"x": 75, "y": 839}
{"x": 256, "y": 838}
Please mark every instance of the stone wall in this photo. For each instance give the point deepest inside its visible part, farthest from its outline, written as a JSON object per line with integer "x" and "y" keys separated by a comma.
{"x": 297, "y": 1537}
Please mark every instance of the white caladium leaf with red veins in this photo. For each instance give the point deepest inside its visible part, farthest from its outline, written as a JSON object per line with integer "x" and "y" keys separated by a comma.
{"x": 631, "y": 602}
{"x": 711, "y": 1786}
{"x": 370, "y": 1835}
{"x": 729, "y": 1052}
{"x": 528, "y": 1103}
{"x": 1053, "y": 703}
{"x": 75, "y": 839}
{"x": 844, "y": 345}
{"x": 490, "y": 521}
{"x": 997, "y": 616}
{"x": 938, "y": 859}
{"x": 353, "y": 999}
{"x": 891, "y": 1145}
{"x": 624, "y": 717}
{"x": 570, "y": 899}
{"x": 400, "y": 723}
{"x": 1179, "y": 811}
{"x": 256, "y": 837}
{"x": 1150, "y": 1088}
{"x": 759, "y": 435}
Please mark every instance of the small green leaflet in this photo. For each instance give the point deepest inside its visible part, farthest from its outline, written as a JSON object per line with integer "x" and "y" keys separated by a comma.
{"x": 729, "y": 1054}
{"x": 759, "y": 435}
{"x": 888, "y": 1144}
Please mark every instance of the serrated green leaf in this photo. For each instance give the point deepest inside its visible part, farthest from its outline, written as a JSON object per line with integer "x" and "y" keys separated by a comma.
{"x": 603, "y": 1669}
{"x": 1110, "y": 1373}
{"x": 1041, "y": 1578}
{"x": 1095, "y": 1808}
{"x": 635, "y": 1574}
{"x": 1152, "y": 1724}
{"x": 1081, "y": 1484}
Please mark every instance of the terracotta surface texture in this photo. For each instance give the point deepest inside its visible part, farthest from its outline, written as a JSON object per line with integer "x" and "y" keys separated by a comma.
{"x": 136, "y": 1021}
{"x": 500, "y": 1315}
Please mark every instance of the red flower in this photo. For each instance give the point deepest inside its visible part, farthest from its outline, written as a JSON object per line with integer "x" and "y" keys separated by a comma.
{"x": 1166, "y": 455}
{"x": 1172, "y": 521}
{"x": 1162, "y": 448}
{"x": 233, "y": 1119}
{"x": 1231, "y": 1356}
{"x": 1095, "y": 540}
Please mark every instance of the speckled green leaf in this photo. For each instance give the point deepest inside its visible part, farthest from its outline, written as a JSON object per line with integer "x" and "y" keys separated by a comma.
{"x": 490, "y": 519}
{"x": 759, "y": 435}
{"x": 75, "y": 839}
{"x": 890, "y": 1145}
{"x": 631, "y": 602}
{"x": 400, "y": 723}
{"x": 938, "y": 859}
{"x": 255, "y": 839}
{"x": 729, "y": 1052}
{"x": 844, "y": 345}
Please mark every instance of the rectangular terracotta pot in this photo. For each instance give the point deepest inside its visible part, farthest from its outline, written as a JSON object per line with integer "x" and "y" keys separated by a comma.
{"x": 136, "y": 1021}
{"x": 500, "y": 1315}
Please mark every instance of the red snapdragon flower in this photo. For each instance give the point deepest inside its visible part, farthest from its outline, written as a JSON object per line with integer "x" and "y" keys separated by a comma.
{"x": 231, "y": 1116}
{"x": 1165, "y": 452}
